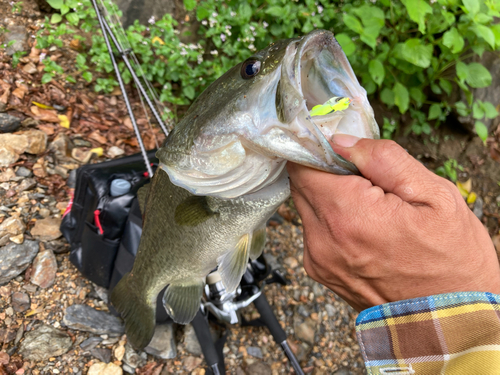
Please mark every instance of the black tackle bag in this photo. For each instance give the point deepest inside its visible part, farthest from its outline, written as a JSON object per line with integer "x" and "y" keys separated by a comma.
{"x": 95, "y": 223}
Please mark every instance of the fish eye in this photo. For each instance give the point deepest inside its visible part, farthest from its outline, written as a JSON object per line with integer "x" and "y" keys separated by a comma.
{"x": 250, "y": 68}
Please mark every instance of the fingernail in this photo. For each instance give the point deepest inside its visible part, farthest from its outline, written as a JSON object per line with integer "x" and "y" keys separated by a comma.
{"x": 345, "y": 140}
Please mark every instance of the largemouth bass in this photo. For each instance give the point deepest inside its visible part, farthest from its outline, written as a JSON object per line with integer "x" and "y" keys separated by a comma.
{"x": 222, "y": 175}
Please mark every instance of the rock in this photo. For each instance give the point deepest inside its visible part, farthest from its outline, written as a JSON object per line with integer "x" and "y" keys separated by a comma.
{"x": 26, "y": 184}
{"x": 191, "y": 341}
{"x": 47, "y": 229}
{"x": 79, "y": 142}
{"x": 15, "y": 258}
{"x": 19, "y": 36}
{"x": 342, "y": 371}
{"x": 90, "y": 343}
{"x": 44, "y": 269}
{"x": 44, "y": 212}
{"x": 7, "y": 335}
{"x": 16, "y": 142}
{"x": 104, "y": 369}
{"x": 7, "y": 156}
{"x": 44, "y": 342}
{"x": 303, "y": 311}
{"x": 7, "y": 175}
{"x": 30, "y": 68}
{"x": 254, "y": 352}
{"x": 115, "y": 151}
{"x": 37, "y": 141}
{"x": 162, "y": 344}
{"x": 12, "y": 226}
{"x": 39, "y": 170}
{"x": 119, "y": 352}
{"x": 190, "y": 363}
{"x": 258, "y": 368}
{"x": 102, "y": 354}
{"x": 20, "y": 301}
{"x": 131, "y": 357}
{"x": 478, "y": 208}
{"x": 61, "y": 145}
{"x": 330, "y": 310}
{"x": 4, "y": 358}
{"x": 306, "y": 331}
{"x": 85, "y": 318}
{"x": 23, "y": 172}
{"x": 8, "y": 123}
{"x": 291, "y": 262}
{"x": 81, "y": 155}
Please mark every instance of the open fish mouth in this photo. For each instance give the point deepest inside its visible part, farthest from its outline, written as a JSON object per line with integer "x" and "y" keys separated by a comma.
{"x": 315, "y": 70}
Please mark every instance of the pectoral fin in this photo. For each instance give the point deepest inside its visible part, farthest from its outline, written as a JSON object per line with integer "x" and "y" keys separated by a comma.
{"x": 182, "y": 300}
{"x": 232, "y": 265}
{"x": 193, "y": 211}
{"x": 258, "y": 242}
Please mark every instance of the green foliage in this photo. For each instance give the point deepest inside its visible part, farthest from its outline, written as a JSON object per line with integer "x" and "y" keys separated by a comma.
{"x": 410, "y": 54}
{"x": 449, "y": 169}
{"x": 16, "y": 56}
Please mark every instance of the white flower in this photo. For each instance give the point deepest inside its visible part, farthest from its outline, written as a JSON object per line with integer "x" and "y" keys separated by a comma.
{"x": 320, "y": 9}
{"x": 42, "y": 56}
{"x": 252, "y": 47}
{"x": 232, "y": 14}
{"x": 151, "y": 21}
{"x": 214, "y": 14}
{"x": 214, "y": 52}
{"x": 200, "y": 60}
{"x": 265, "y": 24}
{"x": 223, "y": 37}
{"x": 252, "y": 27}
{"x": 204, "y": 22}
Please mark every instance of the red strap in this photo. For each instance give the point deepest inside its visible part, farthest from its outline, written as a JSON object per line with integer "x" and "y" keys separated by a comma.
{"x": 70, "y": 204}
{"x": 97, "y": 221}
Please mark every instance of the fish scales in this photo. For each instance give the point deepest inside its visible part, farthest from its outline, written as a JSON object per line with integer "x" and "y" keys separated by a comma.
{"x": 222, "y": 174}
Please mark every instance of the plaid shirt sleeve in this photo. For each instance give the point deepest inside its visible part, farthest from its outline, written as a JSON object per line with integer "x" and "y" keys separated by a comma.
{"x": 454, "y": 333}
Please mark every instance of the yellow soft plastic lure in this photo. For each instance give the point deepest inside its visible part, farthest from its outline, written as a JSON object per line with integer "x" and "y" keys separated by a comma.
{"x": 334, "y": 104}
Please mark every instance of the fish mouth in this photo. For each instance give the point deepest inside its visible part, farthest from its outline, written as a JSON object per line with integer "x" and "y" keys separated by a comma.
{"x": 317, "y": 70}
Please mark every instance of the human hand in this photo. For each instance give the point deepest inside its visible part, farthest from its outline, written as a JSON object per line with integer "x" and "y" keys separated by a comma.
{"x": 400, "y": 232}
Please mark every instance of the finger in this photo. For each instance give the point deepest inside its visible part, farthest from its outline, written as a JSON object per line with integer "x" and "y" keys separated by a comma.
{"x": 388, "y": 165}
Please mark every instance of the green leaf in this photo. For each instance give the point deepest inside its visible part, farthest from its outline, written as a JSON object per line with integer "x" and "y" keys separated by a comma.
{"x": 496, "y": 31}
{"x": 46, "y": 78}
{"x": 485, "y": 33}
{"x": 481, "y": 130}
{"x": 446, "y": 86}
{"x": 189, "y": 4}
{"x": 462, "y": 71}
{"x": 73, "y": 18}
{"x": 387, "y": 96}
{"x": 401, "y": 97}
{"x": 417, "y": 9}
{"x": 426, "y": 128}
{"x": 56, "y": 4}
{"x": 477, "y": 111}
{"x": 417, "y": 95}
{"x": 189, "y": 92}
{"x": 377, "y": 71}
{"x": 275, "y": 11}
{"x": 80, "y": 59}
{"x": 352, "y": 23}
{"x": 478, "y": 76}
{"x": 453, "y": 40}
{"x": 417, "y": 53}
{"x": 462, "y": 109}
{"x": 64, "y": 9}
{"x": 435, "y": 111}
{"x": 489, "y": 110}
{"x": 71, "y": 79}
{"x": 56, "y": 18}
{"x": 472, "y": 6}
{"x": 87, "y": 76}
{"x": 245, "y": 11}
{"x": 202, "y": 13}
{"x": 346, "y": 43}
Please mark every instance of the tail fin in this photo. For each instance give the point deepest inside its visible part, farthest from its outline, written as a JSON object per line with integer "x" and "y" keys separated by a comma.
{"x": 139, "y": 313}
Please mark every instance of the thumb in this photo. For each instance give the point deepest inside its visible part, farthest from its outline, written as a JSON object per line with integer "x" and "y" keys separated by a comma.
{"x": 387, "y": 165}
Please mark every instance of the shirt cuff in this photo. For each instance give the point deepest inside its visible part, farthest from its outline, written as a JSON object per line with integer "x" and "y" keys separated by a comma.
{"x": 453, "y": 333}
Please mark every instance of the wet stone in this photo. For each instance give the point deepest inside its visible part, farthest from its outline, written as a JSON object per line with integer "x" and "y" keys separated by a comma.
{"x": 131, "y": 357}
{"x": 258, "y": 368}
{"x": 303, "y": 311}
{"x": 26, "y": 184}
{"x": 85, "y": 318}
{"x": 330, "y": 310}
{"x": 23, "y": 172}
{"x": 90, "y": 343}
{"x": 47, "y": 229}
{"x": 102, "y": 354}
{"x": 8, "y": 123}
{"x": 20, "y": 301}
{"x": 478, "y": 208}
{"x": 15, "y": 258}
{"x": 45, "y": 342}
{"x": 306, "y": 331}
{"x": 254, "y": 352}
{"x": 7, "y": 335}
{"x": 162, "y": 344}
{"x": 44, "y": 269}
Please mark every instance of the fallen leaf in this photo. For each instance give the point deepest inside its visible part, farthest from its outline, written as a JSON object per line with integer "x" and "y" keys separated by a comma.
{"x": 47, "y": 129}
{"x": 464, "y": 187}
{"x": 45, "y": 114}
{"x": 157, "y": 39}
{"x": 96, "y": 136}
{"x": 64, "y": 121}
{"x": 98, "y": 151}
{"x": 20, "y": 92}
{"x": 471, "y": 198}
{"x": 128, "y": 123}
{"x": 42, "y": 106}
{"x": 496, "y": 242}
